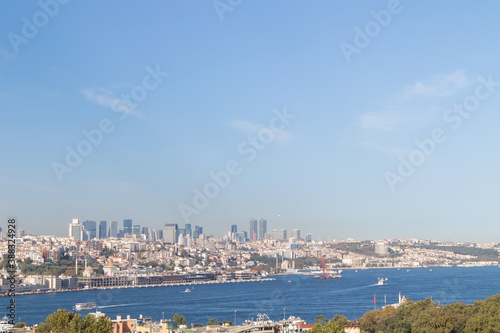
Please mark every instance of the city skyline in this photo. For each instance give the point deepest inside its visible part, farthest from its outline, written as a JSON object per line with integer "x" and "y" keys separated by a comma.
{"x": 369, "y": 120}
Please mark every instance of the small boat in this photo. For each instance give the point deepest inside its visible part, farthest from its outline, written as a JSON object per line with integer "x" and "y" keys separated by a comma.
{"x": 187, "y": 290}
{"x": 84, "y": 306}
{"x": 381, "y": 281}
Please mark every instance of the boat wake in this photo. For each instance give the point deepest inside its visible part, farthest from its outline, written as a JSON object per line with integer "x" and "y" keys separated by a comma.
{"x": 118, "y": 305}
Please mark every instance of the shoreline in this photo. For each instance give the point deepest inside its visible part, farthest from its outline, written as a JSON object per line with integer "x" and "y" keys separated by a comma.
{"x": 52, "y": 291}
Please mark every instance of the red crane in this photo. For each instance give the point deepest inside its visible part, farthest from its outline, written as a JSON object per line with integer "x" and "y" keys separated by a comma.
{"x": 326, "y": 274}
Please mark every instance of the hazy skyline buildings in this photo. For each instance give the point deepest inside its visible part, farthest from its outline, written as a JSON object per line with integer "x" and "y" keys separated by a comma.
{"x": 75, "y": 230}
{"x": 113, "y": 230}
{"x": 252, "y": 230}
{"x": 262, "y": 228}
{"x": 103, "y": 229}
{"x": 127, "y": 226}
{"x": 170, "y": 233}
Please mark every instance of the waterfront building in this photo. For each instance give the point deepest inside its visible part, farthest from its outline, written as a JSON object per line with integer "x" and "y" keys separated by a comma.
{"x": 381, "y": 248}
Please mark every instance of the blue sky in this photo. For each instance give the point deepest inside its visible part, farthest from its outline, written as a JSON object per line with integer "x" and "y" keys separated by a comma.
{"x": 222, "y": 72}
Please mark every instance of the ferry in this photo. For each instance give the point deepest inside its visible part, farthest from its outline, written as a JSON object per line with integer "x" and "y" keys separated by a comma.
{"x": 84, "y": 306}
{"x": 381, "y": 281}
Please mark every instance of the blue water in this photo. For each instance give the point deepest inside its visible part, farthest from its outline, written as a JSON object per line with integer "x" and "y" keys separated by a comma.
{"x": 300, "y": 295}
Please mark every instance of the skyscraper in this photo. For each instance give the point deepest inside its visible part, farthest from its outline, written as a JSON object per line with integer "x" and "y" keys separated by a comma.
{"x": 295, "y": 233}
{"x": 113, "y": 231}
{"x": 103, "y": 229}
{"x": 283, "y": 234}
{"x": 136, "y": 229}
{"x": 75, "y": 230}
{"x": 187, "y": 227}
{"x": 90, "y": 229}
{"x": 234, "y": 228}
{"x": 197, "y": 231}
{"x": 127, "y": 226}
{"x": 262, "y": 228}
{"x": 170, "y": 233}
{"x": 253, "y": 230}
{"x": 275, "y": 234}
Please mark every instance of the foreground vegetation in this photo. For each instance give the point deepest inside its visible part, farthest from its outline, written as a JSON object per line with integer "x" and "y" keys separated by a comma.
{"x": 411, "y": 317}
{"x": 422, "y": 317}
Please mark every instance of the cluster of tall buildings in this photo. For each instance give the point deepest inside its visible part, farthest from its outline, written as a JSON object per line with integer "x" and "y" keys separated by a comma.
{"x": 171, "y": 233}
{"x": 258, "y": 231}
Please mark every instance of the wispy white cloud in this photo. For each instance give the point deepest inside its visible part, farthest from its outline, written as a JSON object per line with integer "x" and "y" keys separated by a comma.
{"x": 249, "y": 128}
{"x": 396, "y": 151}
{"x": 437, "y": 86}
{"x": 381, "y": 121}
{"x": 107, "y": 99}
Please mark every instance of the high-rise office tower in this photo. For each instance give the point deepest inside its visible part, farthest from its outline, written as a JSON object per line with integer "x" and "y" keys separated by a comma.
{"x": 197, "y": 231}
{"x": 170, "y": 233}
{"x": 90, "y": 229}
{"x": 187, "y": 227}
{"x": 283, "y": 234}
{"x": 113, "y": 230}
{"x": 127, "y": 226}
{"x": 234, "y": 228}
{"x": 75, "y": 230}
{"x": 103, "y": 229}
{"x": 295, "y": 233}
{"x": 262, "y": 228}
{"x": 136, "y": 229}
{"x": 275, "y": 234}
{"x": 309, "y": 238}
{"x": 145, "y": 231}
{"x": 253, "y": 230}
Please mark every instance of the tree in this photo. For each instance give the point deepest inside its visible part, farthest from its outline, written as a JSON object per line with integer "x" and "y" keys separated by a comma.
{"x": 20, "y": 325}
{"x": 320, "y": 320}
{"x": 180, "y": 320}
{"x": 212, "y": 321}
{"x": 69, "y": 322}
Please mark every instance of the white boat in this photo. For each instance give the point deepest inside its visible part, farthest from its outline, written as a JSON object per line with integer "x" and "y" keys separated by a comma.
{"x": 381, "y": 281}
{"x": 5, "y": 325}
{"x": 84, "y": 306}
{"x": 187, "y": 290}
